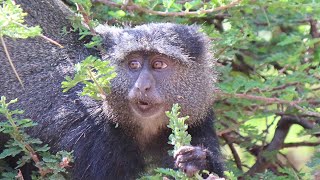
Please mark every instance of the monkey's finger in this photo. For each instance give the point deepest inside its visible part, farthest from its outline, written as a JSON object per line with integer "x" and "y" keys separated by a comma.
{"x": 195, "y": 156}
{"x": 181, "y": 165}
{"x": 191, "y": 170}
{"x": 188, "y": 169}
{"x": 184, "y": 150}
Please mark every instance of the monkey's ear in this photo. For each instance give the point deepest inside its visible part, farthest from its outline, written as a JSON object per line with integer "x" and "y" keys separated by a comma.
{"x": 106, "y": 30}
{"x": 110, "y": 34}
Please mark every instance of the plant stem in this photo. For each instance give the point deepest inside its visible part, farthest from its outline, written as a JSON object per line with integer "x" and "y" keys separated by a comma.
{"x": 95, "y": 81}
{"x": 10, "y": 60}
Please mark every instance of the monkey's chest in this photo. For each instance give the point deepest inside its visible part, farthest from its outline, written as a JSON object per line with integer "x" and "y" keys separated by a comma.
{"x": 157, "y": 158}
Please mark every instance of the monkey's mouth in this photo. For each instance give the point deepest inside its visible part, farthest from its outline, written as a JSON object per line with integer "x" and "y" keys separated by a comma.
{"x": 143, "y": 104}
{"x": 145, "y": 108}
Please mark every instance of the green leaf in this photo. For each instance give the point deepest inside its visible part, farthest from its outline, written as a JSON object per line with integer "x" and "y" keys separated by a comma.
{"x": 49, "y": 160}
{"x": 11, "y": 22}
{"x": 12, "y": 151}
{"x": 187, "y": 6}
{"x": 168, "y": 3}
{"x": 43, "y": 148}
{"x": 8, "y": 175}
{"x": 290, "y": 40}
{"x": 117, "y": 14}
{"x": 95, "y": 74}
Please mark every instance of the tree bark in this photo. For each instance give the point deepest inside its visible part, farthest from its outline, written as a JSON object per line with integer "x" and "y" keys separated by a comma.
{"x": 42, "y": 67}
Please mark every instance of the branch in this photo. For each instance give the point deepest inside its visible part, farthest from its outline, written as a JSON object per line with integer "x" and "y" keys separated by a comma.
{"x": 86, "y": 19}
{"x": 234, "y": 152}
{"x": 294, "y": 104}
{"x": 299, "y": 144}
{"x": 281, "y": 87}
{"x": 313, "y": 28}
{"x": 277, "y": 142}
{"x": 138, "y": 8}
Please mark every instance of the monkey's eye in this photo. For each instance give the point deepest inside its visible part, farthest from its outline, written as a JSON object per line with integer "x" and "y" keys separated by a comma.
{"x": 134, "y": 65}
{"x": 159, "y": 65}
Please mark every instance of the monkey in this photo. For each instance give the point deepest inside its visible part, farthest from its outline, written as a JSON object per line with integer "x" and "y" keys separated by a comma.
{"x": 126, "y": 135}
{"x": 157, "y": 64}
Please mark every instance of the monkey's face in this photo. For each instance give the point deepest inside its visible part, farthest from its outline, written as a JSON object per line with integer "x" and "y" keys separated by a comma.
{"x": 148, "y": 72}
{"x": 149, "y": 83}
{"x": 158, "y": 65}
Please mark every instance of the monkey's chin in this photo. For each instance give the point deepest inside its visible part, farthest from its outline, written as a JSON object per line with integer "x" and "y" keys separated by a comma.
{"x": 147, "y": 111}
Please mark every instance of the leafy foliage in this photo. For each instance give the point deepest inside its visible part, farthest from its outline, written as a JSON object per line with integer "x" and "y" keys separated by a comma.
{"x": 95, "y": 74}
{"x": 268, "y": 59}
{"x": 178, "y": 138}
{"x": 314, "y": 164}
{"x": 12, "y": 19}
{"x": 50, "y": 166}
{"x": 83, "y": 23}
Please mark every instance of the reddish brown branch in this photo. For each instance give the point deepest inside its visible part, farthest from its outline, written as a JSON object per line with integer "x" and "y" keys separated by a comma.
{"x": 19, "y": 176}
{"x": 134, "y": 7}
{"x": 43, "y": 172}
{"x": 86, "y": 19}
{"x": 282, "y": 87}
{"x": 294, "y": 104}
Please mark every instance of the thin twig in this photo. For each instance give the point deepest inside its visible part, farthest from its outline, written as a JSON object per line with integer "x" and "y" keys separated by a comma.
{"x": 281, "y": 87}
{"x": 10, "y": 61}
{"x": 51, "y": 40}
{"x": 138, "y": 8}
{"x": 103, "y": 94}
{"x": 86, "y": 19}
{"x": 299, "y": 144}
{"x": 41, "y": 35}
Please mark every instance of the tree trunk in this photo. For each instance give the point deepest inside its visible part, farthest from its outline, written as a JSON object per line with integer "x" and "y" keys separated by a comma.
{"x": 42, "y": 67}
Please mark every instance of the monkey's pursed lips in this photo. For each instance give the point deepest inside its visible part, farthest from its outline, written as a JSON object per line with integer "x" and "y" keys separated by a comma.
{"x": 145, "y": 108}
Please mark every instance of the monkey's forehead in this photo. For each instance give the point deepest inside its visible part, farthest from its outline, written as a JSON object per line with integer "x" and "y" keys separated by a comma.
{"x": 184, "y": 43}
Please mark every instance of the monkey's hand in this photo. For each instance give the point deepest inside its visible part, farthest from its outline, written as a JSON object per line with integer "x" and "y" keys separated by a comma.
{"x": 191, "y": 159}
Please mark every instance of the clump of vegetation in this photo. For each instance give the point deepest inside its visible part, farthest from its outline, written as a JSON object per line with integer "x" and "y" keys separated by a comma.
{"x": 29, "y": 150}
{"x": 178, "y": 138}
{"x": 95, "y": 74}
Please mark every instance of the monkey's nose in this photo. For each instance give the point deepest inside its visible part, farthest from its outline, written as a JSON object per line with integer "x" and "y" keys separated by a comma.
{"x": 143, "y": 87}
{"x": 145, "y": 81}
